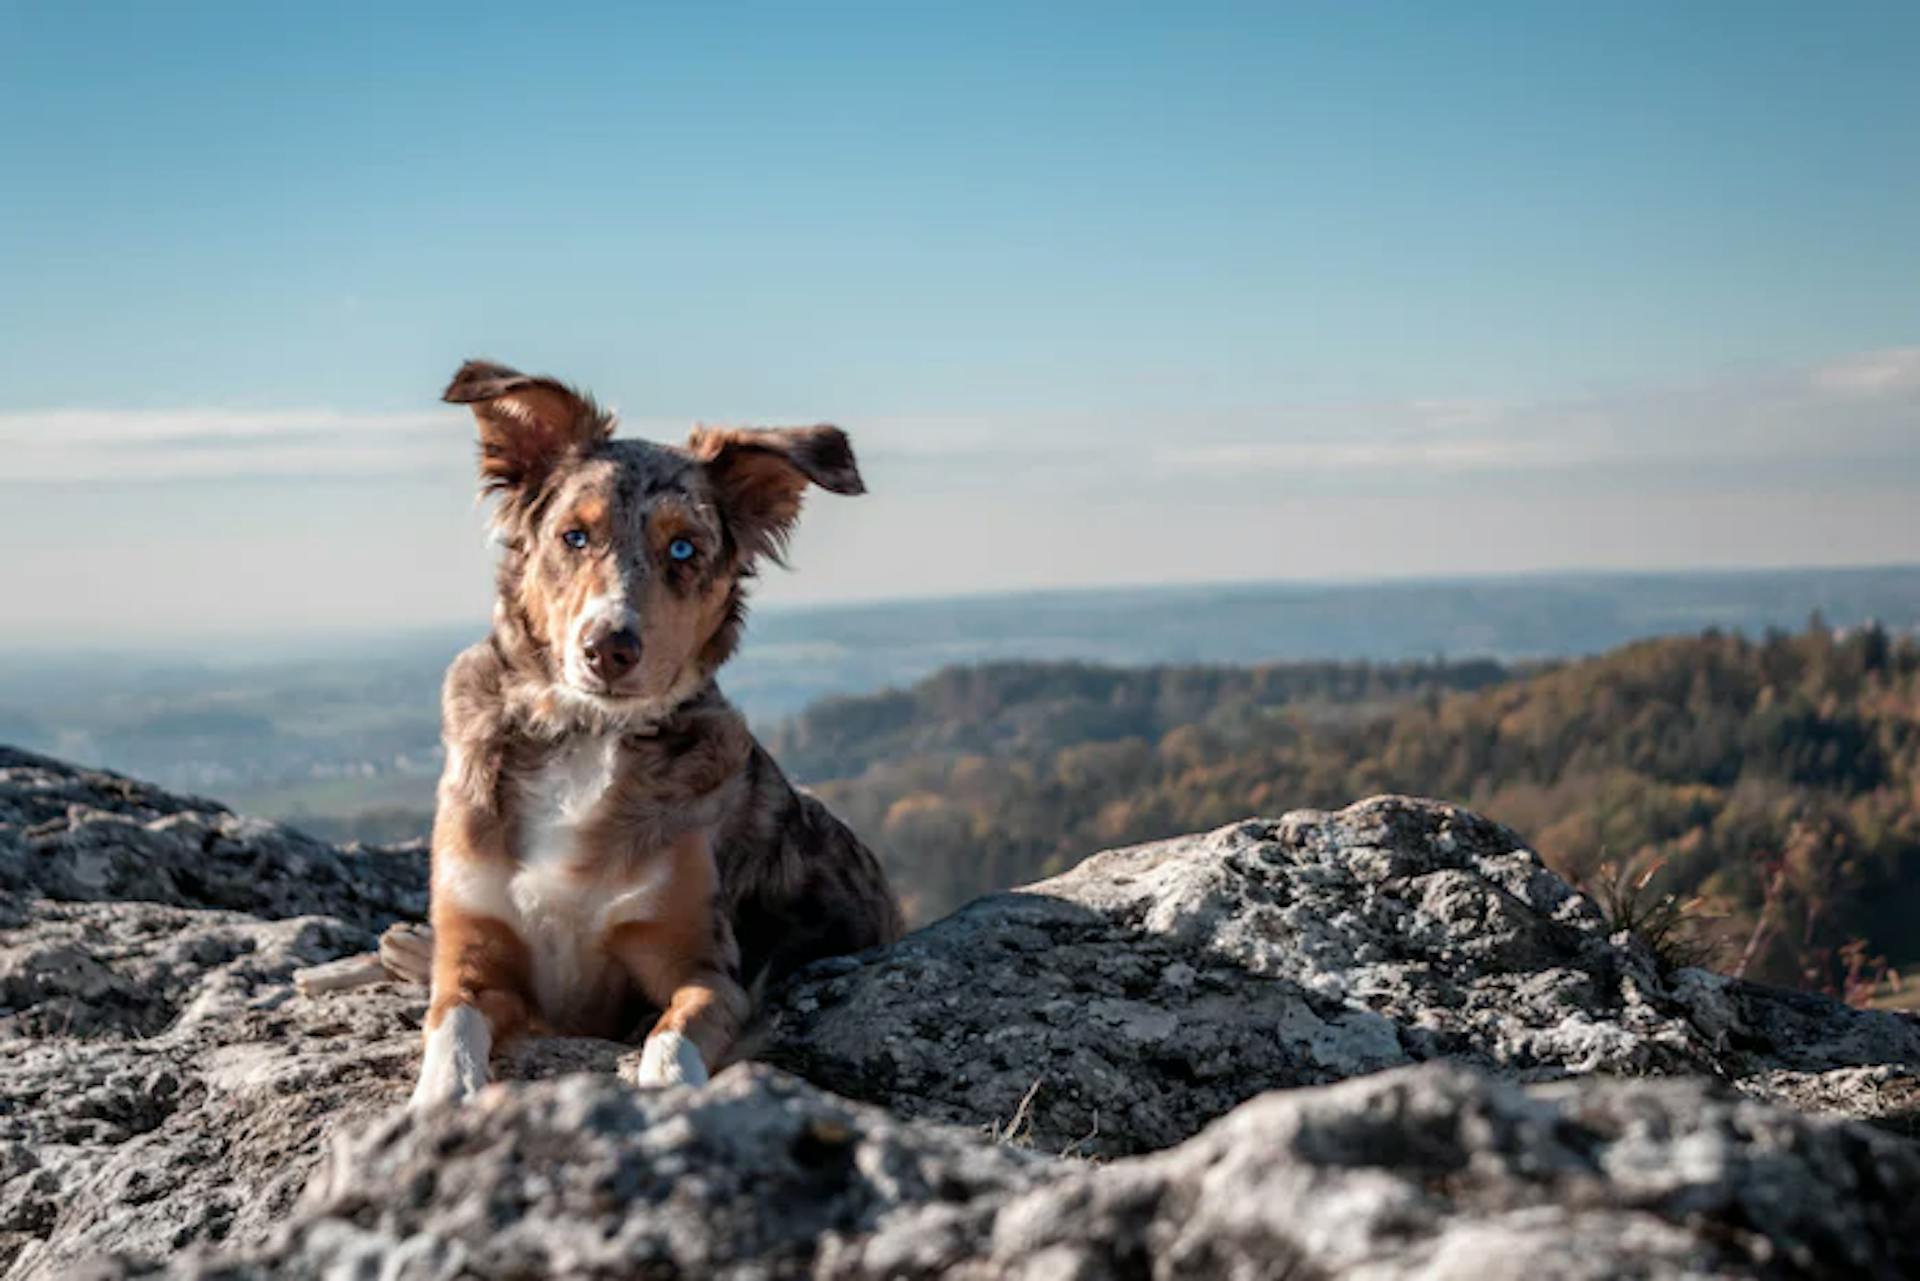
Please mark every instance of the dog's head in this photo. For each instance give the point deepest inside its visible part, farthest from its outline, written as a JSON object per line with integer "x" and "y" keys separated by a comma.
{"x": 625, "y": 561}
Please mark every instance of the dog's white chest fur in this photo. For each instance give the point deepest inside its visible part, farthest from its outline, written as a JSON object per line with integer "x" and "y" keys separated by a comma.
{"x": 560, "y": 799}
{"x": 562, "y": 912}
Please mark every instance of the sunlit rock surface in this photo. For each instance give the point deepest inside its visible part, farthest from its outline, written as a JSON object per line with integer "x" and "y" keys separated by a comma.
{"x": 1528, "y": 1095}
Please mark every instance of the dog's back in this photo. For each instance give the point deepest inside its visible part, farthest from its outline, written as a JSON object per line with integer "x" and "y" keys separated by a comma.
{"x": 798, "y": 884}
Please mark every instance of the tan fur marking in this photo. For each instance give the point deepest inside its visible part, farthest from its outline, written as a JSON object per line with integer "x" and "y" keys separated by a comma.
{"x": 675, "y": 629}
{"x": 670, "y": 519}
{"x": 481, "y": 962}
{"x": 681, "y": 962}
{"x": 591, "y": 514}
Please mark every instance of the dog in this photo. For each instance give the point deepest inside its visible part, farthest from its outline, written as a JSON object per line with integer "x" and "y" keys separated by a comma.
{"x": 612, "y": 849}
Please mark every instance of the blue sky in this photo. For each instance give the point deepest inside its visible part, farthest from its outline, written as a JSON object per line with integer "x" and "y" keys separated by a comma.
{"x": 1106, "y": 293}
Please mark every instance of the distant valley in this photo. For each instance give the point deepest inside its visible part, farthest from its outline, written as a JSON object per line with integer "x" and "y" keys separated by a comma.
{"x": 1118, "y": 715}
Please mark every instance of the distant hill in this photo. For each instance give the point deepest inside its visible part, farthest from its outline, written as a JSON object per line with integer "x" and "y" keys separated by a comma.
{"x": 794, "y": 656}
{"x": 1024, "y": 731}
{"x": 1775, "y": 781}
{"x": 342, "y": 733}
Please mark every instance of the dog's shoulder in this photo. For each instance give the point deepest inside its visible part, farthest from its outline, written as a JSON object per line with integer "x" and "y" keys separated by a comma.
{"x": 475, "y": 678}
{"x": 473, "y": 725}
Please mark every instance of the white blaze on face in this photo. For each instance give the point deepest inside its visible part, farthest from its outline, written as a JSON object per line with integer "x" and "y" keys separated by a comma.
{"x": 599, "y": 616}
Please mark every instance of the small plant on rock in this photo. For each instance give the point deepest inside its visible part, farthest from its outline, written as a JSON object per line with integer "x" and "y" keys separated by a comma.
{"x": 1675, "y": 930}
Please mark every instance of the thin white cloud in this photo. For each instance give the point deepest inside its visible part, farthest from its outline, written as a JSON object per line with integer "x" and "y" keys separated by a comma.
{"x": 171, "y": 444}
{"x": 144, "y": 426}
{"x": 1894, "y": 369}
{"x": 1461, "y": 455}
{"x": 1861, "y": 411}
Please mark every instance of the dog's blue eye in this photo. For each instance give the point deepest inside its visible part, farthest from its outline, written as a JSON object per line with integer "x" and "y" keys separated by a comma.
{"x": 680, "y": 549}
{"x": 575, "y": 538}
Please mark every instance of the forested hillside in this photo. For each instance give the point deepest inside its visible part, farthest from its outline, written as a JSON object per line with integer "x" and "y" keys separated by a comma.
{"x": 1772, "y": 786}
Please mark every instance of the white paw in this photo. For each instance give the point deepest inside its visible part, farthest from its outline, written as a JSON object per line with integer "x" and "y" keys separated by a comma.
{"x": 669, "y": 1059}
{"x": 455, "y": 1065}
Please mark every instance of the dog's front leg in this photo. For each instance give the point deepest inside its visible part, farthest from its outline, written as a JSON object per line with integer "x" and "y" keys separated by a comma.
{"x": 703, "y": 1007}
{"x": 480, "y": 968}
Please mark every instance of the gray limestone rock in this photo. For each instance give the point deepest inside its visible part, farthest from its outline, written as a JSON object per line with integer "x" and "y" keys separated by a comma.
{"x": 1385, "y": 1042}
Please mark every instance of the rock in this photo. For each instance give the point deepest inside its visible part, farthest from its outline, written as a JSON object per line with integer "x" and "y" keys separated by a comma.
{"x": 163, "y": 1085}
{"x": 1149, "y": 990}
{"x": 1427, "y": 1172}
{"x": 91, "y": 836}
{"x": 176, "y": 1090}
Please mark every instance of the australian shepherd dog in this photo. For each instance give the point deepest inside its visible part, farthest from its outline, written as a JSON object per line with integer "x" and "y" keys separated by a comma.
{"x": 613, "y": 852}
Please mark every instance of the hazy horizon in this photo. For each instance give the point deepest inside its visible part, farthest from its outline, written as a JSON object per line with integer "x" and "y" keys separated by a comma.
{"x": 271, "y": 646}
{"x": 349, "y": 724}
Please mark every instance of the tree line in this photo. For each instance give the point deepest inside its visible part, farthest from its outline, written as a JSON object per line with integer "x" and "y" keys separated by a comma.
{"x": 1770, "y": 786}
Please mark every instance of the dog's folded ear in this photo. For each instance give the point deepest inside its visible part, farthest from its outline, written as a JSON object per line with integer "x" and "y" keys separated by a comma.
{"x": 760, "y": 475}
{"x": 526, "y": 423}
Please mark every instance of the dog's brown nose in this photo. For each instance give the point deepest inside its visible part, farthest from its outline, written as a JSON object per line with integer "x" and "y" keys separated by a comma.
{"x": 613, "y": 654}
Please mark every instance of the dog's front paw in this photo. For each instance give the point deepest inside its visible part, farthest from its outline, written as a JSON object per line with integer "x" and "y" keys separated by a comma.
{"x": 455, "y": 1066}
{"x": 669, "y": 1059}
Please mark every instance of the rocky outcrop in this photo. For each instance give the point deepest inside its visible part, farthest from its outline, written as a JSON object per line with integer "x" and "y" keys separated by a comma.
{"x": 160, "y": 1082}
{"x": 1190, "y": 1012}
{"x": 1429, "y": 1172}
{"x": 1147, "y": 991}
{"x": 90, "y": 836}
